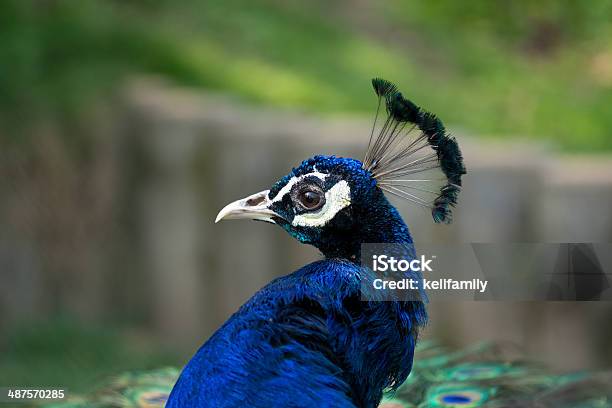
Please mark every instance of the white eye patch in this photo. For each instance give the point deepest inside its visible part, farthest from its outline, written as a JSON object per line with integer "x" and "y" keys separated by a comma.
{"x": 336, "y": 198}
{"x": 287, "y": 187}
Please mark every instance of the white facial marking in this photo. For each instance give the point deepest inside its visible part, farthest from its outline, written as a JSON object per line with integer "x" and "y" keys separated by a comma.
{"x": 287, "y": 187}
{"x": 336, "y": 198}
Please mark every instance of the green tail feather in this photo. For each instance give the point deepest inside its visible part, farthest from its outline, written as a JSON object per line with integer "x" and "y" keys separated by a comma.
{"x": 138, "y": 389}
{"x": 488, "y": 375}
{"x": 484, "y": 375}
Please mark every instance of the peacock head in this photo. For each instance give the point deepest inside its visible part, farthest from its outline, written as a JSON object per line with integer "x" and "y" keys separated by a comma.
{"x": 336, "y": 204}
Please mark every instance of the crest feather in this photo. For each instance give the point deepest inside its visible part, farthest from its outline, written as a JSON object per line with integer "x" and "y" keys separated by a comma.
{"x": 412, "y": 141}
{"x": 383, "y": 87}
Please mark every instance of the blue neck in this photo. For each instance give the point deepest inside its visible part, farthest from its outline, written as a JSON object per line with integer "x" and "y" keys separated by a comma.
{"x": 384, "y": 225}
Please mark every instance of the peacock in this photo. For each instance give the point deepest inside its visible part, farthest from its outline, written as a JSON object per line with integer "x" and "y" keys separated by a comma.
{"x": 315, "y": 338}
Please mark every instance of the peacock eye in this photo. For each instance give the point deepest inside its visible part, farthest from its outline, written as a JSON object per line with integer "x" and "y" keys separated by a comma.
{"x": 311, "y": 199}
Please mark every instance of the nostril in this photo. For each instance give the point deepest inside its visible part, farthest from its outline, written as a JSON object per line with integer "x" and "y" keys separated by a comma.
{"x": 255, "y": 201}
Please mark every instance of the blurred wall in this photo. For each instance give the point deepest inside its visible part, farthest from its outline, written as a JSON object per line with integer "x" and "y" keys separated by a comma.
{"x": 128, "y": 235}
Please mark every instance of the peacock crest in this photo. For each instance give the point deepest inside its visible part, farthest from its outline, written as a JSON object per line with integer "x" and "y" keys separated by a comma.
{"x": 410, "y": 151}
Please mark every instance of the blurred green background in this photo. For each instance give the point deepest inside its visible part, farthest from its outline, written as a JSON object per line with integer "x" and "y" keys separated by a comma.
{"x": 496, "y": 69}
{"x": 500, "y": 69}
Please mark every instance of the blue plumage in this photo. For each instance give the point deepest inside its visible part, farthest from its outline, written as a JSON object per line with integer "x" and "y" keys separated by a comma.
{"x": 307, "y": 339}
{"x": 298, "y": 343}
{"x": 311, "y": 339}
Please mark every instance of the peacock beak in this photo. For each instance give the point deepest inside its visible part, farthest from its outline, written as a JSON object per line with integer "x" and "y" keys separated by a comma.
{"x": 254, "y": 207}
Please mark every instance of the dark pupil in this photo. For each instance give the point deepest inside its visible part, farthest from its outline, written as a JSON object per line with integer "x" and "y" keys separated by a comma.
{"x": 310, "y": 199}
